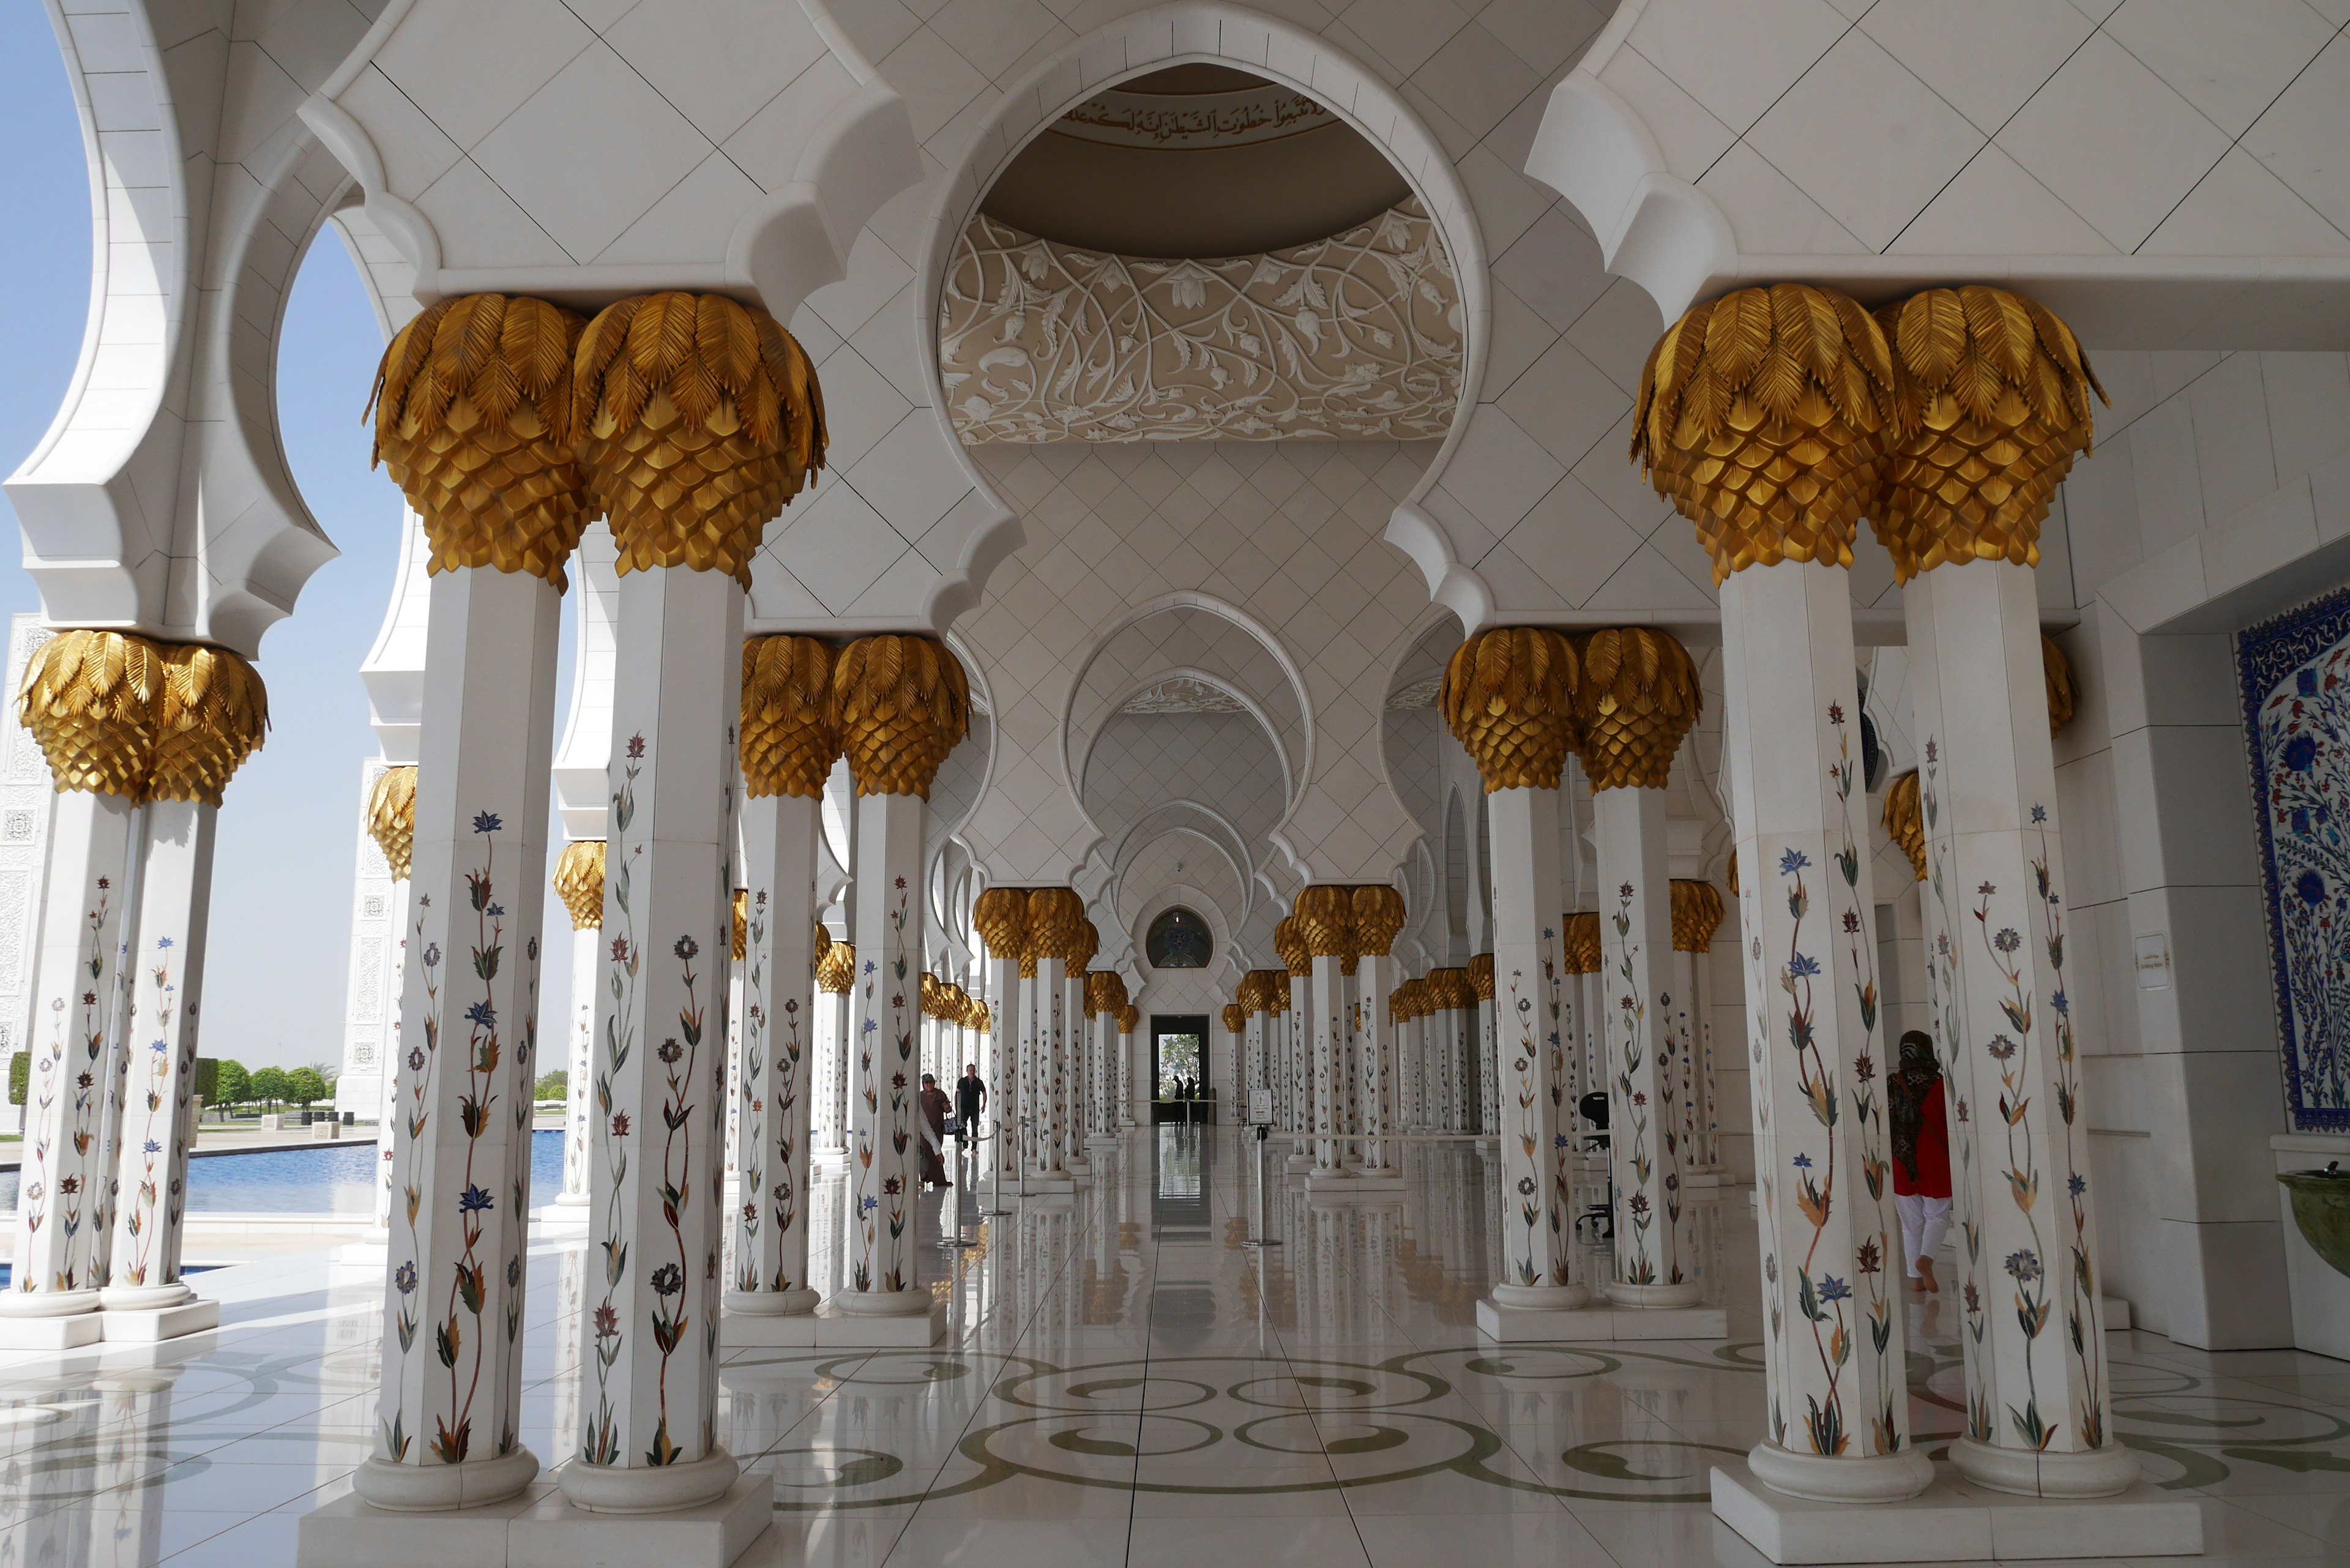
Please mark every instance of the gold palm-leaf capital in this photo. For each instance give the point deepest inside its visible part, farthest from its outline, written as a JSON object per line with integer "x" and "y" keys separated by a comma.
{"x": 1764, "y": 417}
{"x": 788, "y": 741}
{"x": 580, "y": 882}
{"x": 699, "y": 420}
{"x": 1579, "y": 943}
{"x": 1325, "y": 914}
{"x": 1994, "y": 399}
{"x": 1233, "y": 1017}
{"x": 1509, "y": 698}
{"x": 1696, "y": 915}
{"x": 90, "y": 699}
{"x": 1129, "y": 1019}
{"x": 1904, "y": 819}
{"x": 391, "y": 821}
{"x": 473, "y": 421}
{"x": 1084, "y": 943}
{"x": 1480, "y": 976}
{"x": 1638, "y": 699}
{"x": 1055, "y": 915}
{"x": 901, "y": 705}
{"x": 2056, "y": 671}
{"x": 1289, "y": 945}
{"x": 1378, "y": 915}
{"x": 212, "y": 713}
{"x": 836, "y": 972}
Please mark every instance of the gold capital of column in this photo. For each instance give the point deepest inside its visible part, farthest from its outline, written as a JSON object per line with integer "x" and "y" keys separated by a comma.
{"x": 699, "y": 420}
{"x": 1289, "y": 946}
{"x": 1994, "y": 406}
{"x": 900, "y": 704}
{"x": 1002, "y": 916}
{"x": 1578, "y": 943}
{"x": 1377, "y": 917}
{"x": 1480, "y": 976}
{"x": 1325, "y": 914}
{"x": 1084, "y": 943}
{"x": 1696, "y": 915}
{"x": 2057, "y": 671}
{"x": 788, "y": 742}
{"x": 118, "y": 713}
{"x": 474, "y": 421}
{"x": 1128, "y": 1019}
{"x": 1055, "y": 915}
{"x": 1764, "y": 417}
{"x": 1904, "y": 819}
{"x": 391, "y": 823}
{"x": 741, "y": 920}
{"x": 836, "y": 972}
{"x": 579, "y": 878}
{"x": 1638, "y": 699}
{"x": 1509, "y": 698}
{"x": 1232, "y": 1018}
{"x": 1105, "y": 992}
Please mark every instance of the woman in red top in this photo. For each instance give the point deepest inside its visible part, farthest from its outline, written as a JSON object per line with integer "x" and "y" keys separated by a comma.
{"x": 1921, "y": 1156}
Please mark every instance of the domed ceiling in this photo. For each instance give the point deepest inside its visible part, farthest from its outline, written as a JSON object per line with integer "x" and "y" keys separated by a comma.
{"x": 1194, "y": 161}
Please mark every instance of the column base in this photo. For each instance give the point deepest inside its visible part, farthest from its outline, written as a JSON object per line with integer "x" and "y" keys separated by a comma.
{"x": 1298, "y": 1164}
{"x": 1078, "y": 1166}
{"x": 1653, "y": 1298}
{"x": 796, "y": 1302}
{"x": 1950, "y": 1521}
{"x": 1499, "y": 1321}
{"x": 49, "y": 1320}
{"x": 829, "y": 1328}
{"x": 150, "y": 1325}
{"x": 646, "y": 1490}
{"x": 568, "y": 1201}
{"x": 2091, "y": 1473}
{"x": 1102, "y": 1140}
{"x": 1383, "y": 1178}
{"x": 1039, "y": 1182}
{"x": 539, "y": 1530}
{"x": 396, "y": 1488}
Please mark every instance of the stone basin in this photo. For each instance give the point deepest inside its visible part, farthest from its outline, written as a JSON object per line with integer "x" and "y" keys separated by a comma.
{"x": 2321, "y": 1207}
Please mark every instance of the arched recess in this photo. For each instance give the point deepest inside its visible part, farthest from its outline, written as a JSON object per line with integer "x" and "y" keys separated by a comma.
{"x": 1235, "y": 908}
{"x": 1223, "y": 973}
{"x": 1149, "y": 40}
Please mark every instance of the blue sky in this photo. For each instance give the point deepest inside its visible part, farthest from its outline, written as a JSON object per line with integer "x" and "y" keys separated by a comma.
{"x": 282, "y": 883}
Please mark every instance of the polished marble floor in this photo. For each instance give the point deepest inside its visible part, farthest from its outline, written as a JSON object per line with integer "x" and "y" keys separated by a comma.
{"x": 1125, "y": 1382}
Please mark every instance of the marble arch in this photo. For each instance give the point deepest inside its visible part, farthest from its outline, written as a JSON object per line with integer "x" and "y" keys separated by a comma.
{"x": 1179, "y": 34}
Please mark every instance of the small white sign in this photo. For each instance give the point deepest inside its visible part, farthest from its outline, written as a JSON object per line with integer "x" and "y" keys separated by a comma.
{"x": 1260, "y": 1112}
{"x": 2154, "y": 961}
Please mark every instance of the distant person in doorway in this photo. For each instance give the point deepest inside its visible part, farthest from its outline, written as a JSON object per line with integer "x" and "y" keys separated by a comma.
{"x": 1921, "y": 1156}
{"x": 935, "y": 1106}
{"x": 971, "y": 1099}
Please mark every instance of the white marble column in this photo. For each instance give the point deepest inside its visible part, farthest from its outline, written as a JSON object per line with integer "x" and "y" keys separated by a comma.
{"x": 61, "y": 1232}
{"x": 1834, "y": 1344}
{"x": 2038, "y": 1391}
{"x": 1379, "y": 915}
{"x": 1000, "y": 915}
{"x": 771, "y": 1215}
{"x": 658, "y": 1182}
{"x": 1069, "y": 1033}
{"x": 1491, "y": 1111}
{"x": 1301, "y": 1057}
{"x": 1635, "y": 943}
{"x": 836, "y": 976}
{"x": 1324, "y": 917}
{"x": 157, "y": 1116}
{"x": 580, "y": 882}
{"x": 448, "y": 1413}
{"x": 1537, "y": 1214}
{"x": 1128, "y": 1018}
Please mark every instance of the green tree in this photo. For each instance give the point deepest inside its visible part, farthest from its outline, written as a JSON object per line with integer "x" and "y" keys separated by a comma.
{"x": 268, "y": 1085}
{"x": 235, "y": 1084}
{"x": 553, "y": 1087}
{"x": 306, "y": 1087}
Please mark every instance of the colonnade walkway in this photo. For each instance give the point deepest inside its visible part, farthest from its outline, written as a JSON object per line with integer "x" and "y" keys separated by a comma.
{"x": 1125, "y": 1382}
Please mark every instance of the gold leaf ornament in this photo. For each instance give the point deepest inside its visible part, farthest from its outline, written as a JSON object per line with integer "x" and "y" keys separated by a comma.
{"x": 1054, "y": 918}
{"x": 699, "y": 420}
{"x": 1994, "y": 406}
{"x": 1377, "y": 917}
{"x": 1480, "y": 976}
{"x": 1638, "y": 697}
{"x": 1509, "y": 698}
{"x": 901, "y": 705}
{"x": 212, "y": 713}
{"x": 580, "y": 882}
{"x": 1234, "y": 1017}
{"x": 836, "y": 972}
{"x": 89, "y": 698}
{"x": 1083, "y": 945}
{"x": 1579, "y": 943}
{"x": 473, "y": 421}
{"x": 788, "y": 741}
{"x": 2057, "y": 671}
{"x": 1904, "y": 819}
{"x": 1696, "y": 915}
{"x": 1325, "y": 914}
{"x": 1002, "y": 916}
{"x": 1129, "y": 1020}
{"x": 1289, "y": 945}
{"x": 742, "y": 912}
{"x": 391, "y": 821}
{"x": 1765, "y": 418}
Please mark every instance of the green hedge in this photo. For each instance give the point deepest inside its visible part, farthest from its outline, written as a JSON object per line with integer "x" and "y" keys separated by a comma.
{"x": 20, "y": 1076}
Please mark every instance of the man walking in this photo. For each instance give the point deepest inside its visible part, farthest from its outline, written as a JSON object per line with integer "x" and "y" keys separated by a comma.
{"x": 970, "y": 1098}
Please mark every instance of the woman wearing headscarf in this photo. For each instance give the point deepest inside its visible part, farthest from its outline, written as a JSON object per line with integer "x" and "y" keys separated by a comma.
{"x": 1921, "y": 1156}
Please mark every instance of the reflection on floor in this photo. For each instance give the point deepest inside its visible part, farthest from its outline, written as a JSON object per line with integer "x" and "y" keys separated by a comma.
{"x": 1124, "y": 1386}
